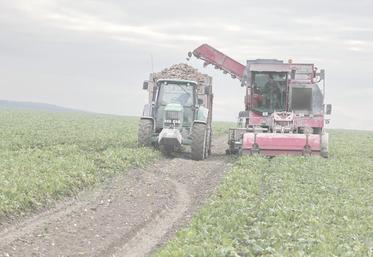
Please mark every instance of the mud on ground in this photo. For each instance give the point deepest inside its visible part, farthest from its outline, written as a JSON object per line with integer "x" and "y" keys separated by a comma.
{"x": 131, "y": 214}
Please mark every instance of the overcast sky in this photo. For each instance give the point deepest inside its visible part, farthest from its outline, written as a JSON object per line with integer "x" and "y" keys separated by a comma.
{"x": 94, "y": 55}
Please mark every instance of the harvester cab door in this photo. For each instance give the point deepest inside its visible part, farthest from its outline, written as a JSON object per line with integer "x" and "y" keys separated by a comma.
{"x": 268, "y": 91}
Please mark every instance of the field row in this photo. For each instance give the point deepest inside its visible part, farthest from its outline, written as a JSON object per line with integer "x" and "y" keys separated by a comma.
{"x": 289, "y": 206}
{"x": 44, "y": 156}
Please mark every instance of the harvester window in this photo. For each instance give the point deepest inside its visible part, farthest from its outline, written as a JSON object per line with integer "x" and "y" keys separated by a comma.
{"x": 301, "y": 99}
{"x": 176, "y": 93}
{"x": 269, "y": 91}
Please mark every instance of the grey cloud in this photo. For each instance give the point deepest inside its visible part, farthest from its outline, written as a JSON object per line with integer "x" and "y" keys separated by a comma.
{"x": 94, "y": 55}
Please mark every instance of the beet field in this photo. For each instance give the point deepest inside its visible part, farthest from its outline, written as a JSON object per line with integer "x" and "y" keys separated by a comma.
{"x": 289, "y": 206}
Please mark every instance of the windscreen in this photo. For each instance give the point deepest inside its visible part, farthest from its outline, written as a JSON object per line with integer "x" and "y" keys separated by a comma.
{"x": 176, "y": 93}
{"x": 269, "y": 89}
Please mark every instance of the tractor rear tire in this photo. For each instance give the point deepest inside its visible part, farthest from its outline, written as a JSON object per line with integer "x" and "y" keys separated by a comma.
{"x": 145, "y": 132}
{"x": 199, "y": 142}
{"x": 209, "y": 143}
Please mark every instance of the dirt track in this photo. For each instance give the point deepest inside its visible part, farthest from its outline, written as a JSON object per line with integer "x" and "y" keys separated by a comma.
{"x": 129, "y": 215}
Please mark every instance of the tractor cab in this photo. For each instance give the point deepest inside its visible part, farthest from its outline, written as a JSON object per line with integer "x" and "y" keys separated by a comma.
{"x": 175, "y": 102}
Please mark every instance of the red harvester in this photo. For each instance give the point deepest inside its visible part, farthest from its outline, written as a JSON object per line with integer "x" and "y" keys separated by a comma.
{"x": 284, "y": 105}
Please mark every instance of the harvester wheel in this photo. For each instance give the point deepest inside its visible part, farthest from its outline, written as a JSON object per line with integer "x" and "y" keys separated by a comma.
{"x": 199, "y": 142}
{"x": 325, "y": 145}
{"x": 324, "y": 154}
{"x": 145, "y": 132}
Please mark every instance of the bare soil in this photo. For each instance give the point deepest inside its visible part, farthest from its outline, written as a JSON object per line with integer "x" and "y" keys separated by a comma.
{"x": 131, "y": 214}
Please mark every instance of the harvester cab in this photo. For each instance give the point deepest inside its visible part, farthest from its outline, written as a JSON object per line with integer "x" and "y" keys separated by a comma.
{"x": 284, "y": 105}
{"x": 177, "y": 114}
{"x": 284, "y": 110}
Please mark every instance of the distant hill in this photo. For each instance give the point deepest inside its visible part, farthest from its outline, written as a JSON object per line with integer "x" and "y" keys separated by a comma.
{"x": 6, "y": 104}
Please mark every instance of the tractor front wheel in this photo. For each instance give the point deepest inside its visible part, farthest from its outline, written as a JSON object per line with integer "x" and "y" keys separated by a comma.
{"x": 199, "y": 141}
{"x": 145, "y": 132}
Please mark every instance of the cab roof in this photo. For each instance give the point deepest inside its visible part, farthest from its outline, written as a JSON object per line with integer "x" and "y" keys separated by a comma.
{"x": 183, "y": 81}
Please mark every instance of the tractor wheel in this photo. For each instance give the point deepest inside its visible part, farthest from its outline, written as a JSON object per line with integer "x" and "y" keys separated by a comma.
{"x": 199, "y": 142}
{"x": 145, "y": 132}
{"x": 209, "y": 143}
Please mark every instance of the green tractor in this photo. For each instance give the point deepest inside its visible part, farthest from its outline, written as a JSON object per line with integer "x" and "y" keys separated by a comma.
{"x": 178, "y": 113}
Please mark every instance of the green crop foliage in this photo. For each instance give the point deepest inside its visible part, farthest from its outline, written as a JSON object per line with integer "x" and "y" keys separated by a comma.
{"x": 289, "y": 206}
{"x": 221, "y": 127}
{"x": 44, "y": 156}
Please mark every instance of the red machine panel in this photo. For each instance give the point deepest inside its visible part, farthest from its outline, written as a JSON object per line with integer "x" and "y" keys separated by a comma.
{"x": 212, "y": 56}
{"x": 273, "y": 144}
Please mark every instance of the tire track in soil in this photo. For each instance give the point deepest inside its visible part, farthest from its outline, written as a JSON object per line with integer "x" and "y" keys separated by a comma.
{"x": 131, "y": 214}
{"x": 151, "y": 234}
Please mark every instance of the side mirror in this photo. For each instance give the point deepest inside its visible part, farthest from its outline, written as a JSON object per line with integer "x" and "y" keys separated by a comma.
{"x": 200, "y": 101}
{"x": 328, "y": 109}
{"x": 322, "y": 75}
{"x": 145, "y": 85}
